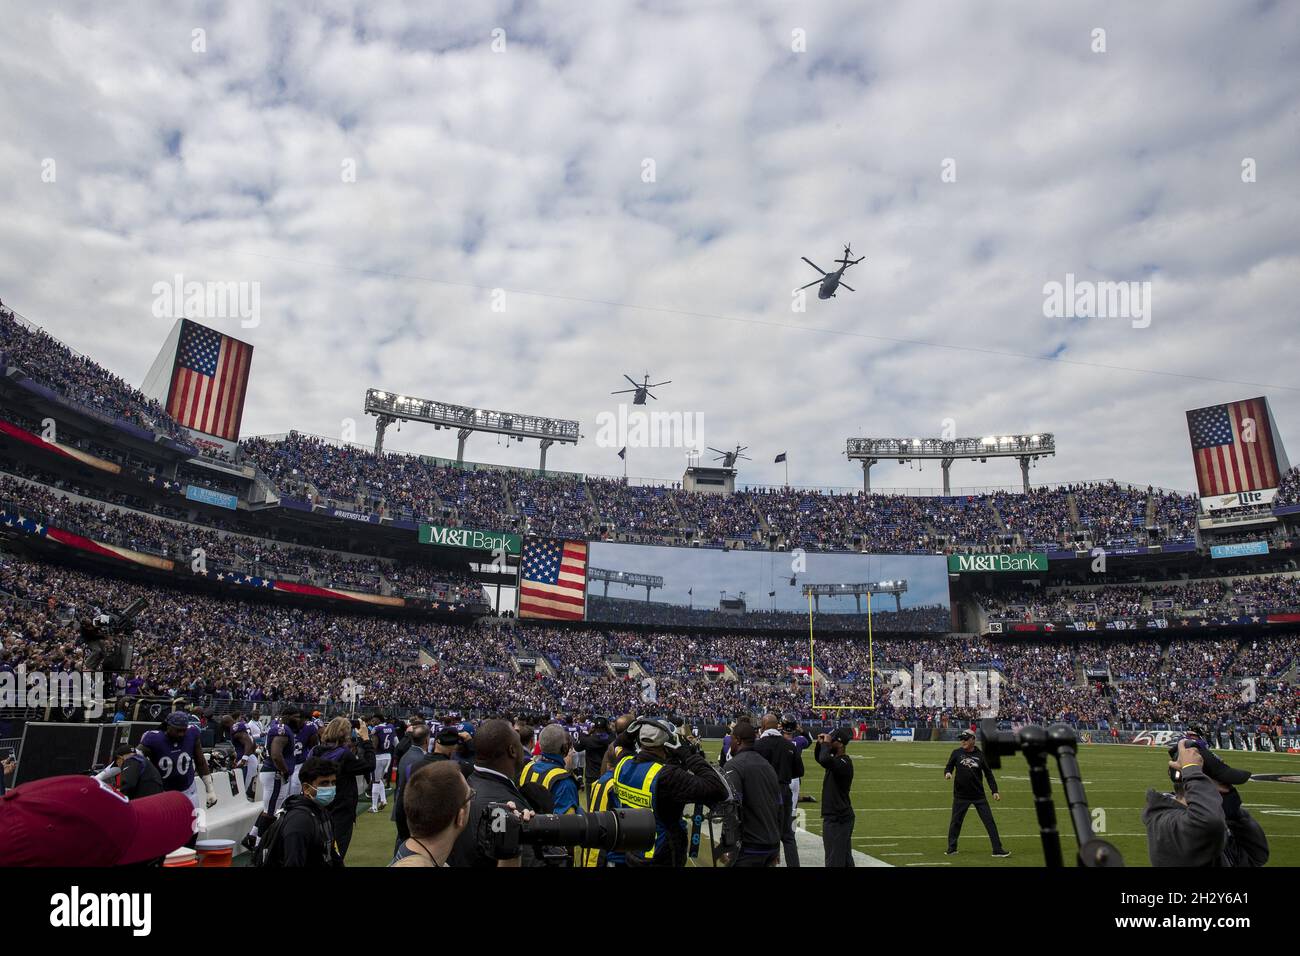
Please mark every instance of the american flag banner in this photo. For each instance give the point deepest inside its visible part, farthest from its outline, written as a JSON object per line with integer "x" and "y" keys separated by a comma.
{"x": 553, "y": 580}
{"x": 1233, "y": 447}
{"x": 209, "y": 381}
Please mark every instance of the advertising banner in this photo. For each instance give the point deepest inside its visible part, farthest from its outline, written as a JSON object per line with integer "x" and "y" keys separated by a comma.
{"x": 1241, "y": 499}
{"x": 980, "y": 563}
{"x": 1238, "y": 550}
{"x": 471, "y": 538}
{"x": 207, "y": 496}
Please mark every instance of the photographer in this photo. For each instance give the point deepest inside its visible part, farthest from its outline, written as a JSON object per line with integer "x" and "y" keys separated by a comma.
{"x": 666, "y": 773}
{"x": 593, "y": 745}
{"x": 1202, "y": 823}
{"x": 97, "y": 640}
{"x": 551, "y": 770}
{"x": 759, "y": 792}
{"x": 499, "y": 756}
{"x": 838, "y": 817}
{"x": 354, "y": 758}
{"x": 602, "y": 795}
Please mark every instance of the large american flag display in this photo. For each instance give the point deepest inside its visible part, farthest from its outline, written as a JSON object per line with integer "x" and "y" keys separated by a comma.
{"x": 1233, "y": 447}
{"x": 553, "y": 580}
{"x": 209, "y": 381}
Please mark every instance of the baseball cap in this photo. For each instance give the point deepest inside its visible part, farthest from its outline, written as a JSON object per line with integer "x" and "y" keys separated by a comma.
{"x": 653, "y": 732}
{"x": 79, "y": 821}
{"x": 966, "y": 735}
{"x": 842, "y": 734}
{"x": 448, "y": 737}
{"x": 177, "y": 719}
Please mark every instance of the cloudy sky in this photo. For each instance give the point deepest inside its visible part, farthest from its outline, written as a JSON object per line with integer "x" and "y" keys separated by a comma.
{"x": 641, "y": 181}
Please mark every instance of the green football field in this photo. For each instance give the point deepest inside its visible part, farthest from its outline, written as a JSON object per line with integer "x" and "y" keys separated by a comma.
{"x": 903, "y": 805}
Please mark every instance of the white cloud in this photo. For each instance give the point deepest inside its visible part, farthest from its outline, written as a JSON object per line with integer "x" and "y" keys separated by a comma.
{"x": 522, "y": 170}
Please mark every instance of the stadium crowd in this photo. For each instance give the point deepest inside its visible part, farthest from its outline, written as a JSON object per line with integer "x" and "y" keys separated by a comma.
{"x": 214, "y": 649}
{"x": 261, "y": 557}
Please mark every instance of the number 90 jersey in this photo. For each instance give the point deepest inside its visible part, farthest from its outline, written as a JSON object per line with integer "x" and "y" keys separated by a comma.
{"x": 174, "y": 760}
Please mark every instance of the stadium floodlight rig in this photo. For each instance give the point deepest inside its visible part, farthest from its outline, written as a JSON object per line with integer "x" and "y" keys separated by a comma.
{"x": 817, "y": 591}
{"x": 1026, "y": 448}
{"x": 629, "y": 578}
{"x": 388, "y": 407}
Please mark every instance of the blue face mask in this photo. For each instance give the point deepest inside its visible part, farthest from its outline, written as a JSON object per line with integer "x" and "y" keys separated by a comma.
{"x": 324, "y": 796}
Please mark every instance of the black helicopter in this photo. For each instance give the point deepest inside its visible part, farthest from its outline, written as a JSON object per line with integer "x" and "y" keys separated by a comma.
{"x": 729, "y": 458}
{"x": 641, "y": 390}
{"x": 830, "y": 281}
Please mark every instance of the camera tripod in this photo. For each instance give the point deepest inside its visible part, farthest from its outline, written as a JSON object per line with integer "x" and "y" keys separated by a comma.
{"x": 1061, "y": 742}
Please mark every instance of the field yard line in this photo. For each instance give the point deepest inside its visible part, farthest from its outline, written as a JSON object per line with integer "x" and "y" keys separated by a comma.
{"x": 1026, "y": 836}
{"x": 1002, "y": 806}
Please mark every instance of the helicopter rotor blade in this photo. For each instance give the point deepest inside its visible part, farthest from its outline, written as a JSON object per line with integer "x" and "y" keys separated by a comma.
{"x": 626, "y": 391}
{"x": 813, "y": 264}
{"x": 632, "y": 380}
{"x": 845, "y": 285}
{"x": 809, "y": 285}
{"x": 657, "y": 384}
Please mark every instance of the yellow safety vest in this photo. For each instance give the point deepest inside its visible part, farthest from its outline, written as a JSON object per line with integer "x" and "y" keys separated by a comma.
{"x": 530, "y": 774}
{"x": 634, "y": 782}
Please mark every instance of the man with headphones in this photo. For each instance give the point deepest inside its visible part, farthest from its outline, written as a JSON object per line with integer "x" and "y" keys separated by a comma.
{"x": 665, "y": 774}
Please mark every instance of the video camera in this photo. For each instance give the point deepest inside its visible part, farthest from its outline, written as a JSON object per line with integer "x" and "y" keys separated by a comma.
{"x": 119, "y": 622}
{"x": 502, "y": 831}
{"x": 1212, "y": 763}
{"x": 110, "y": 631}
{"x": 1037, "y": 743}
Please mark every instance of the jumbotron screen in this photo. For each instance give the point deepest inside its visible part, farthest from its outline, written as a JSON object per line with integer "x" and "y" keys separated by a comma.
{"x": 648, "y": 584}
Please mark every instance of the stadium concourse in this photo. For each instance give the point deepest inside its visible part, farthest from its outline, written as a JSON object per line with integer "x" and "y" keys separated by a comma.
{"x": 288, "y": 570}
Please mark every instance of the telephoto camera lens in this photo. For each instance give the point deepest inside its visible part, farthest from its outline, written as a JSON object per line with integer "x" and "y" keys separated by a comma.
{"x": 616, "y": 830}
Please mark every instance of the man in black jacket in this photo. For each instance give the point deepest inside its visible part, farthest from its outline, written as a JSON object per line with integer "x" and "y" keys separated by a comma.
{"x": 970, "y": 766}
{"x": 594, "y": 745}
{"x": 837, "y": 803}
{"x": 136, "y": 774}
{"x": 306, "y": 836}
{"x": 1202, "y": 823}
{"x": 446, "y": 746}
{"x": 498, "y": 758}
{"x": 780, "y": 751}
{"x": 758, "y": 790}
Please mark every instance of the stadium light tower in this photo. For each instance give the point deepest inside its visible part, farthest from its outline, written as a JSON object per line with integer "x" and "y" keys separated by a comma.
{"x": 388, "y": 407}
{"x": 1026, "y": 448}
{"x": 629, "y": 578}
{"x": 818, "y": 591}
